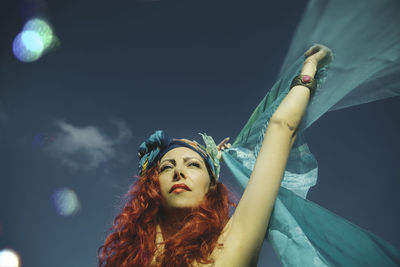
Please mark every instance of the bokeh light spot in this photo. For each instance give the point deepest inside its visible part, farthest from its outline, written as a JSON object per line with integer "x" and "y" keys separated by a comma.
{"x": 9, "y": 258}
{"x": 21, "y": 50}
{"x": 32, "y": 41}
{"x": 35, "y": 38}
{"x": 42, "y": 28}
{"x": 66, "y": 202}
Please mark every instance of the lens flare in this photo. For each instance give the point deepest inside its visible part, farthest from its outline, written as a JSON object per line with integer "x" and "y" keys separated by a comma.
{"x": 27, "y": 46}
{"x": 9, "y": 258}
{"x": 35, "y": 38}
{"x": 42, "y": 28}
{"x": 32, "y": 41}
{"x": 66, "y": 202}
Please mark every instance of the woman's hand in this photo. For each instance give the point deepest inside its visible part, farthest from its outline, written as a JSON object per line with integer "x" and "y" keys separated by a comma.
{"x": 318, "y": 55}
{"x": 222, "y": 146}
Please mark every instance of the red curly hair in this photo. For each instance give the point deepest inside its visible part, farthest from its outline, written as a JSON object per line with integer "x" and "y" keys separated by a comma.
{"x": 133, "y": 234}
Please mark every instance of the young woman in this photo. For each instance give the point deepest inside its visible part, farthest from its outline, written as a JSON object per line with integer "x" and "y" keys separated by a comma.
{"x": 177, "y": 213}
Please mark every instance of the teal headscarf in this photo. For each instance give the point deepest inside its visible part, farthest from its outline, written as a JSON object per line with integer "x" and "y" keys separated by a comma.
{"x": 159, "y": 143}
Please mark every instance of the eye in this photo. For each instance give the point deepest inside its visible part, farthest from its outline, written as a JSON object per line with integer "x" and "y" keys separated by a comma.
{"x": 164, "y": 167}
{"x": 194, "y": 164}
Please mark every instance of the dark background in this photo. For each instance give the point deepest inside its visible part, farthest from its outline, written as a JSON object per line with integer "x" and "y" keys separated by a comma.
{"x": 124, "y": 69}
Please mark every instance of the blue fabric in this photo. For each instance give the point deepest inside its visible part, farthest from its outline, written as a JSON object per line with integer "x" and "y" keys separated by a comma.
{"x": 365, "y": 39}
{"x": 149, "y": 150}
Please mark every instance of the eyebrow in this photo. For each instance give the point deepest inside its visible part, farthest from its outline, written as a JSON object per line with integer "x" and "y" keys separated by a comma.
{"x": 184, "y": 160}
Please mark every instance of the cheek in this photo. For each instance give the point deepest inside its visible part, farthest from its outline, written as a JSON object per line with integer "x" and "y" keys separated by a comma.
{"x": 203, "y": 183}
{"x": 163, "y": 185}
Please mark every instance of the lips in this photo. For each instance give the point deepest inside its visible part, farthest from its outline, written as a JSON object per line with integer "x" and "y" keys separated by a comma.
{"x": 183, "y": 186}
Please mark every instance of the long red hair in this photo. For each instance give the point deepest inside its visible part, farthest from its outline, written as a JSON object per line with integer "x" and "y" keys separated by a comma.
{"x": 133, "y": 234}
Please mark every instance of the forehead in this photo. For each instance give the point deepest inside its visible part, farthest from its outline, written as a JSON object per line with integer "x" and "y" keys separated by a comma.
{"x": 181, "y": 152}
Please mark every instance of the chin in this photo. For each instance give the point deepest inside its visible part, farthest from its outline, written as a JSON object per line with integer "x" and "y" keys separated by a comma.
{"x": 182, "y": 203}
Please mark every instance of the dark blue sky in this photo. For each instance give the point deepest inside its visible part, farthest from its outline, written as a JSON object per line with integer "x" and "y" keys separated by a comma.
{"x": 127, "y": 68}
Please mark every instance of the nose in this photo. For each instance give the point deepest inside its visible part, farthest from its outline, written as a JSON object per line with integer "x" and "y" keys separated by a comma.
{"x": 178, "y": 175}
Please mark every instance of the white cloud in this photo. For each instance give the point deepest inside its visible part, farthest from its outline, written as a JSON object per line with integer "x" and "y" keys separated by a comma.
{"x": 85, "y": 148}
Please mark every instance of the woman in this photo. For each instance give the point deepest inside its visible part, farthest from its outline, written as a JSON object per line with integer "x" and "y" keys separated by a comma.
{"x": 178, "y": 212}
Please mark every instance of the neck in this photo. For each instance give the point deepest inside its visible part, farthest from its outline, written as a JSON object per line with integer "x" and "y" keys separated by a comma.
{"x": 171, "y": 221}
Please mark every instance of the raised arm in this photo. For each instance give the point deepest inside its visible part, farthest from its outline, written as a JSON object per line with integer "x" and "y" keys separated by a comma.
{"x": 250, "y": 220}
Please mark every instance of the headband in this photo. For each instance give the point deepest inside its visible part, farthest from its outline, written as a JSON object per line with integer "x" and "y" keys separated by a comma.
{"x": 159, "y": 143}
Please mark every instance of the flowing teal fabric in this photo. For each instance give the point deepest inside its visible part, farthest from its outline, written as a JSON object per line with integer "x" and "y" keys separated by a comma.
{"x": 365, "y": 39}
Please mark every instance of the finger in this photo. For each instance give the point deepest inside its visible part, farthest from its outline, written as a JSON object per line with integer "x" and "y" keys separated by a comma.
{"x": 309, "y": 51}
{"x": 226, "y": 140}
{"x": 226, "y": 146}
{"x": 223, "y": 142}
{"x": 313, "y": 49}
{"x": 321, "y": 54}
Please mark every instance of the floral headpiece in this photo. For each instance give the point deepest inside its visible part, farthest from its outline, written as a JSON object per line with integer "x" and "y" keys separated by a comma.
{"x": 159, "y": 143}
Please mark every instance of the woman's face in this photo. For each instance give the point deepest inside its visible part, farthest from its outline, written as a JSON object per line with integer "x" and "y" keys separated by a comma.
{"x": 183, "y": 166}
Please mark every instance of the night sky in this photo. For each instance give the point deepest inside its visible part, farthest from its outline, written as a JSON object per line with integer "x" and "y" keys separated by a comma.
{"x": 124, "y": 69}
